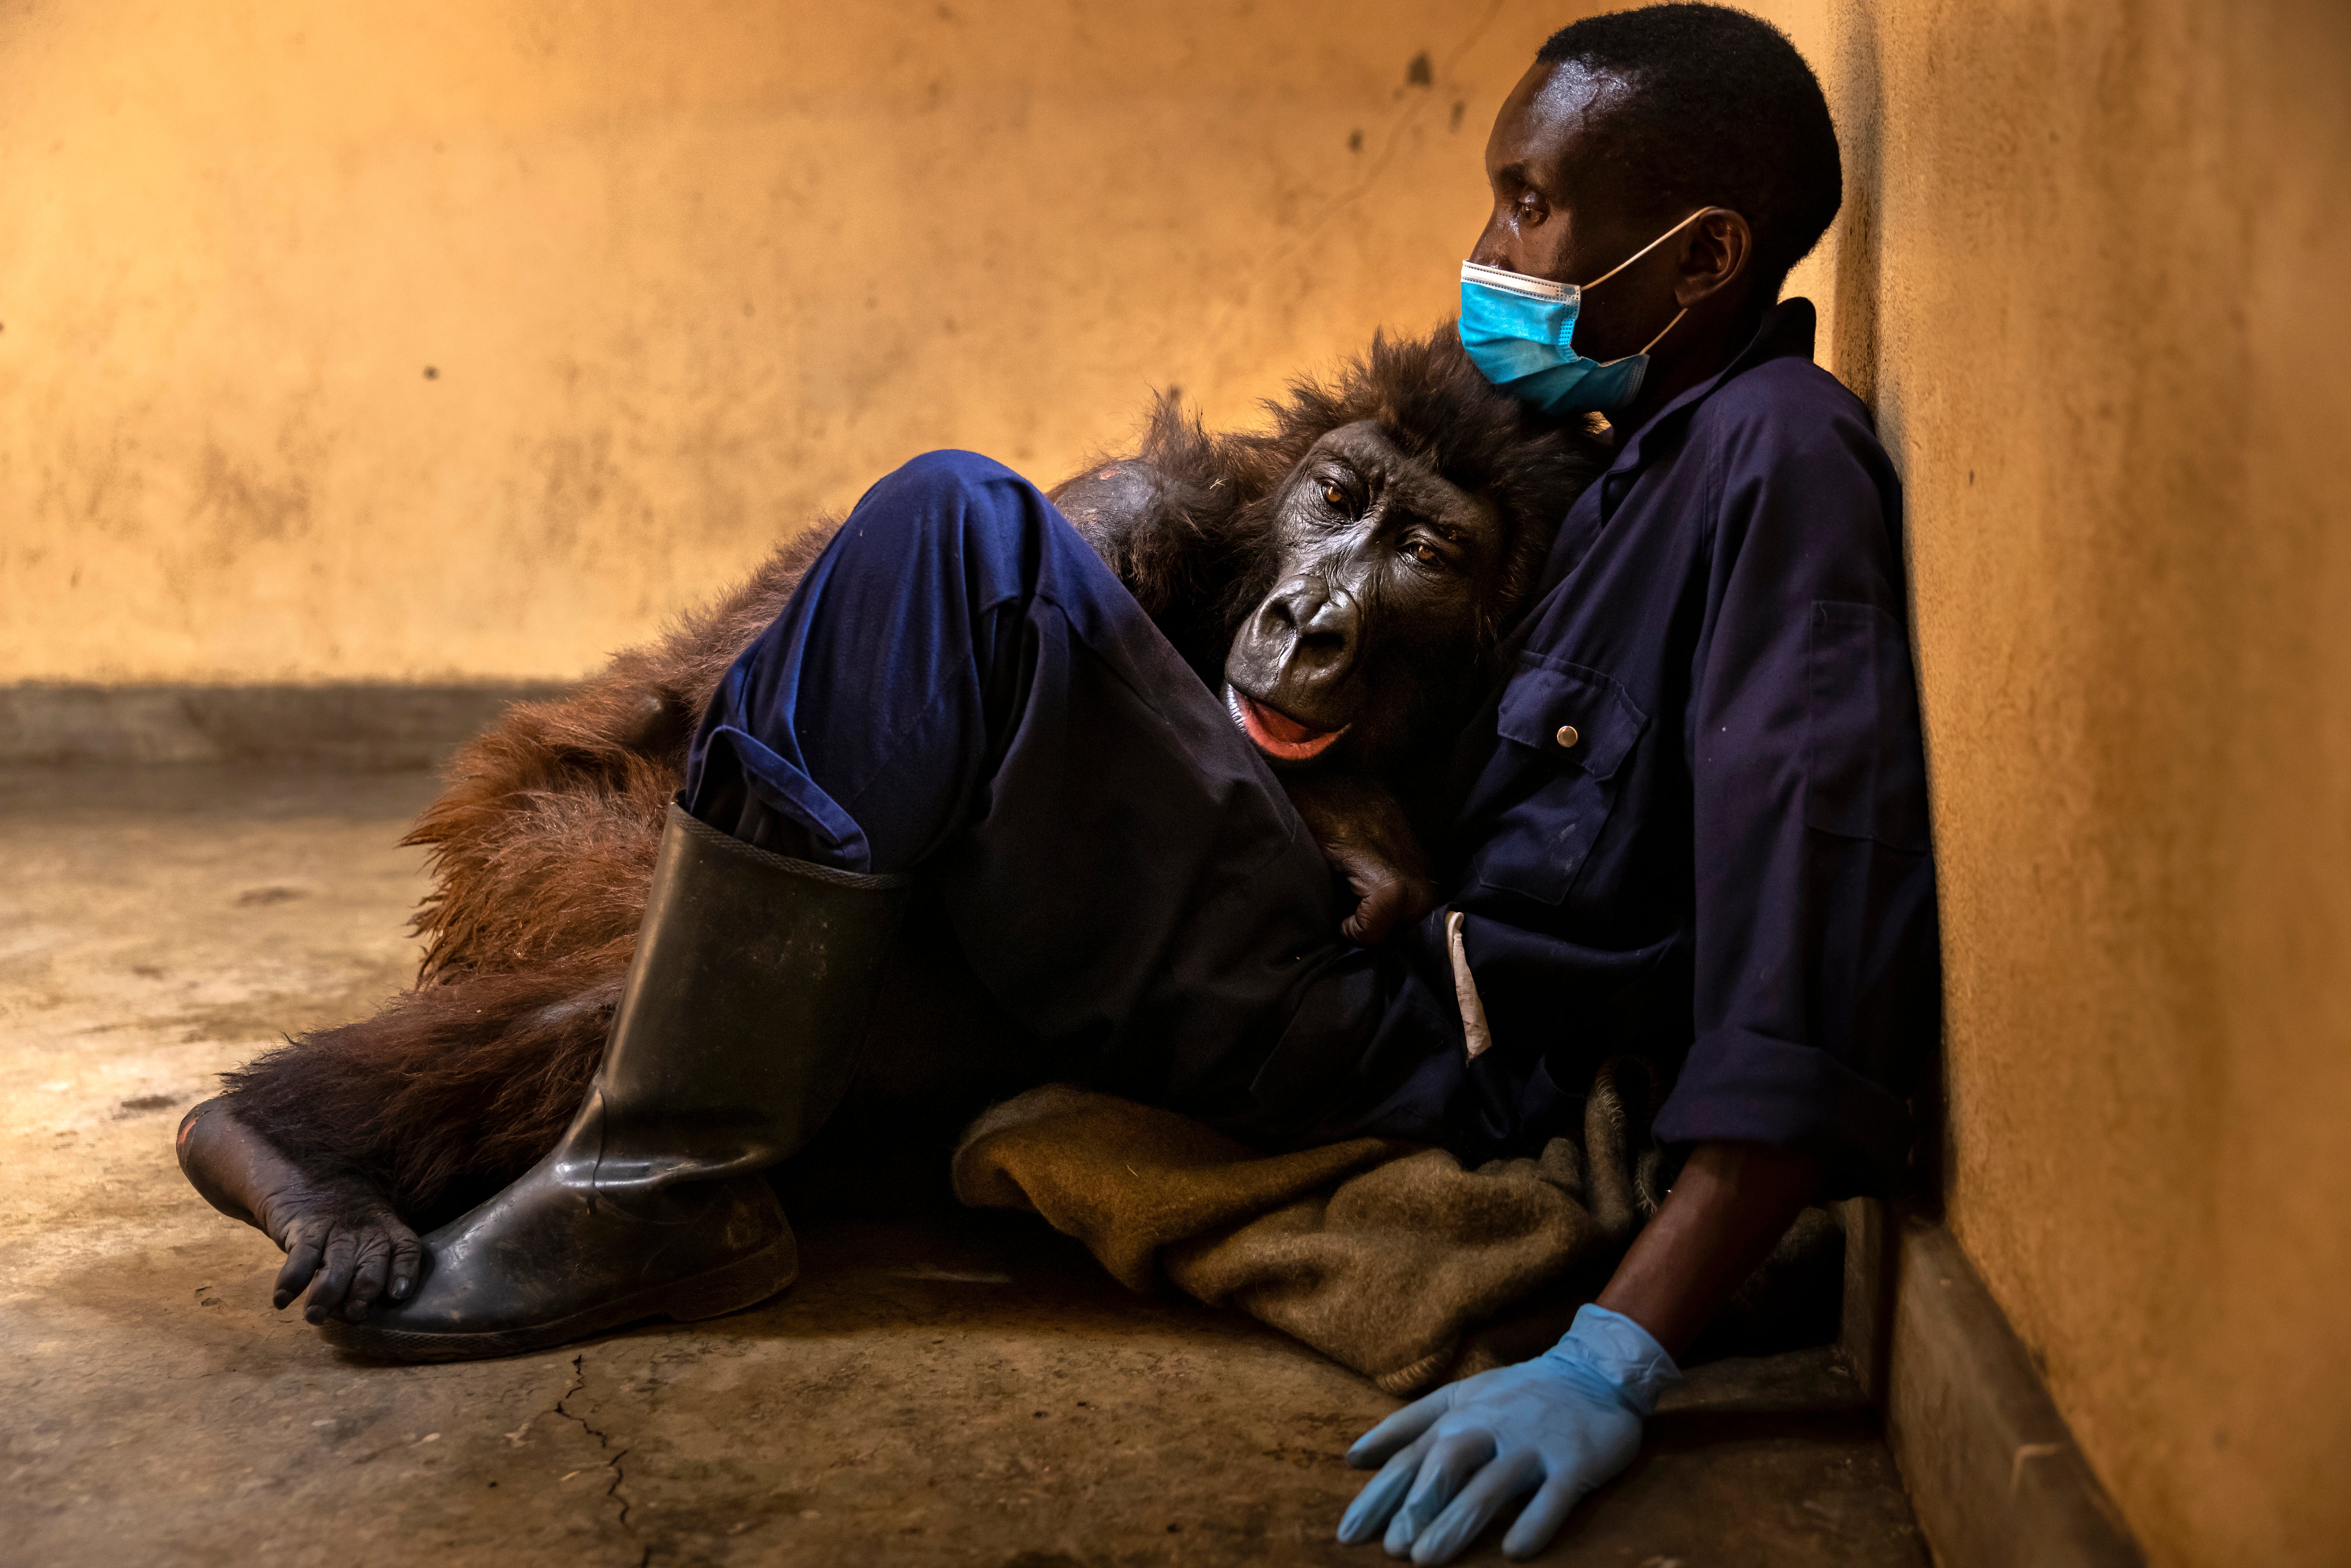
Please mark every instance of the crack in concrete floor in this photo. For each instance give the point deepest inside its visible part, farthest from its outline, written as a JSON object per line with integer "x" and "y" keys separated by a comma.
{"x": 940, "y": 1387}
{"x": 603, "y": 1439}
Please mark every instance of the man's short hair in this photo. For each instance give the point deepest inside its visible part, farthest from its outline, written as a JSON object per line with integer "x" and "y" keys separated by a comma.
{"x": 1723, "y": 112}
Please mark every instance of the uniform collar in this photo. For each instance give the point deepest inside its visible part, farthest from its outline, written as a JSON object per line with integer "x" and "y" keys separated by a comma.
{"x": 1786, "y": 328}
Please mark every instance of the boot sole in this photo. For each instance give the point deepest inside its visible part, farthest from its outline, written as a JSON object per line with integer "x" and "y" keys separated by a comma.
{"x": 745, "y": 1282}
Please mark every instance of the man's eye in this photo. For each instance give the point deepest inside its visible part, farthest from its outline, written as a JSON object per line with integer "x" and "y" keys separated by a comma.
{"x": 1335, "y": 497}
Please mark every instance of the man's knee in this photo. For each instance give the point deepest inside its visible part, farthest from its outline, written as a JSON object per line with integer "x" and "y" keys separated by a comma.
{"x": 944, "y": 517}
{"x": 973, "y": 500}
{"x": 946, "y": 474}
{"x": 950, "y": 526}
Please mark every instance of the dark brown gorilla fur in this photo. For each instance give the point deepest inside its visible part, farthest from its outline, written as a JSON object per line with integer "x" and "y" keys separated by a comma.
{"x": 542, "y": 843}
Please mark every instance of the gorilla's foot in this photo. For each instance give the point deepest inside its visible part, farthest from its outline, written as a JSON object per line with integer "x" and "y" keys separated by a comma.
{"x": 547, "y": 1262}
{"x": 340, "y": 1235}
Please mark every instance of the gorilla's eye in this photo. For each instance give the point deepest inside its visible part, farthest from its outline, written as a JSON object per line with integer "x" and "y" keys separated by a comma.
{"x": 1424, "y": 552}
{"x": 1334, "y": 497}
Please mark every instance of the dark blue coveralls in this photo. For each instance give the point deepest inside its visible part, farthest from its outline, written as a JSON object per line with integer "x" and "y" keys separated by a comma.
{"x": 1726, "y": 873}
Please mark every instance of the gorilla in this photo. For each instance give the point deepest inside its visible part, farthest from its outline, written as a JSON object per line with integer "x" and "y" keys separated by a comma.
{"x": 1346, "y": 576}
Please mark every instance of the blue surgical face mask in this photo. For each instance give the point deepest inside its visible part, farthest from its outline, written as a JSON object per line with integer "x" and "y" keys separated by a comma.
{"x": 1520, "y": 332}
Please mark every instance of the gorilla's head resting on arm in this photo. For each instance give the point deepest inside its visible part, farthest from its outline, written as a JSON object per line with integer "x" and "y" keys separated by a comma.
{"x": 1345, "y": 574}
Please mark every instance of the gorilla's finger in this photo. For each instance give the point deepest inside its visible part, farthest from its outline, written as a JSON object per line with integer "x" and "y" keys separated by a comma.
{"x": 407, "y": 1259}
{"x": 1375, "y": 914}
{"x": 334, "y": 1279}
{"x": 374, "y": 1271}
{"x": 303, "y": 1253}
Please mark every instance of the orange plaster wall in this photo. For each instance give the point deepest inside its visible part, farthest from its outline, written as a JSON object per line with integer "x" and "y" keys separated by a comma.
{"x": 686, "y": 275}
{"x": 2090, "y": 273}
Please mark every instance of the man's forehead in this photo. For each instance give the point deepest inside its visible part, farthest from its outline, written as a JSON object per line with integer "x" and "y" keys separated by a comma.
{"x": 1554, "y": 111}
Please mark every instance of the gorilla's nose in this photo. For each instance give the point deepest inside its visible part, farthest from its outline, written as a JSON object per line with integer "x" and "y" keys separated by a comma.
{"x": 1317, "y": 622}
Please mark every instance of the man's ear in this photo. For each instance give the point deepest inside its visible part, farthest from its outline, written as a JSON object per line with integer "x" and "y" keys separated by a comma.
{"x": 1715, "y": 255}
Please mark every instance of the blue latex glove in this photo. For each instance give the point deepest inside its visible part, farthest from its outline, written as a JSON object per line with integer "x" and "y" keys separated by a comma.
{"x": 1557, "y": 1425}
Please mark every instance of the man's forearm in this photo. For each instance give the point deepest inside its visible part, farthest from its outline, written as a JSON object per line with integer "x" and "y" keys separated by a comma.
{"x": 1728, "y": 1207}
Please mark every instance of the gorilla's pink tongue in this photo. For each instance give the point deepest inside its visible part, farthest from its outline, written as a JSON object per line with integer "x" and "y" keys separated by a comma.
{"x": 1277, "y": 734}
{"x": 1280, "y": 726}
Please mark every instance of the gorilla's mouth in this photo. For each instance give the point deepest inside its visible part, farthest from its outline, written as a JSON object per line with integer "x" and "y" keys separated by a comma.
{"x": 1277, "y": 734}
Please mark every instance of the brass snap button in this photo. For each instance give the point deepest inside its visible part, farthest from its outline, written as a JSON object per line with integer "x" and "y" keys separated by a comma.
{"x": 1567, "y": 736}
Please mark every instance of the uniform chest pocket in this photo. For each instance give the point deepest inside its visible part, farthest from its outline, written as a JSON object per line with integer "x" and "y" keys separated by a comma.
{"x": 1574, "y": 728}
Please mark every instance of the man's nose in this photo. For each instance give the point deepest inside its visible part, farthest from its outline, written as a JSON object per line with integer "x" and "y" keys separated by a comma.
{"x": 1492, "y": 247}
{"x": 1496, "y": 246}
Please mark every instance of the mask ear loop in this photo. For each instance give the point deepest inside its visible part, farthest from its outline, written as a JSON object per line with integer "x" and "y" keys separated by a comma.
{"x": 1644, "y": 251}
{"x": 1669, "y": 327}
{"x": 1637, "y": 255}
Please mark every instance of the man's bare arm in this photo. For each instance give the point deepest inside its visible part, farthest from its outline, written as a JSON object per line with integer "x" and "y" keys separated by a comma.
{"x": 1729, "y": 1209}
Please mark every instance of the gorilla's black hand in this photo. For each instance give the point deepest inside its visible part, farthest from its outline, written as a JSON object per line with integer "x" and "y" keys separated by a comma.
{"x": 341, "y": 1237}
{"x": 1363, "y": 832}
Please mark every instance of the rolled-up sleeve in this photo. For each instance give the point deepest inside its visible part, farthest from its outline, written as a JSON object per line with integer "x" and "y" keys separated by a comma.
{"x": 1817, "y": 970}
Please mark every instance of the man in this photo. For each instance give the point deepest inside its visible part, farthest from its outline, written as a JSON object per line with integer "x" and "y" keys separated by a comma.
{"x": 1691, "y": 825}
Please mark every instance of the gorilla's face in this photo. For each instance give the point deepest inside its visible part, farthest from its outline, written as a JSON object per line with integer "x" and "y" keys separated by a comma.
{"x": 1380, "y": 569}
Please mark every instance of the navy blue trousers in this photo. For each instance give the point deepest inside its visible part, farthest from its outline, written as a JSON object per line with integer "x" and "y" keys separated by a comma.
{"x": 961, "y": 689}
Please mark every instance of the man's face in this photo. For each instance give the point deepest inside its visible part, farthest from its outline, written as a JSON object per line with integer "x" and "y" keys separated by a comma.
{"x": 1567, "y": 208}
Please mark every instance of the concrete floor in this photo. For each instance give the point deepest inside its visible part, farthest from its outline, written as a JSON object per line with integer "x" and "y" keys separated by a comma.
{"x": 940, "y": 1387}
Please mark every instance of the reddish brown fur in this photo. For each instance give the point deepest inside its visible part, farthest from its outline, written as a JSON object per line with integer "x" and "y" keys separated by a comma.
{"x": 541, "y": 844}
{"x": 543, "y": 840}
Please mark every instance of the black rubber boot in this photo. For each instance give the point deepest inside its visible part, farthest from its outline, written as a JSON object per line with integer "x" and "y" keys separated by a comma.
{"x": 753, "y": 984}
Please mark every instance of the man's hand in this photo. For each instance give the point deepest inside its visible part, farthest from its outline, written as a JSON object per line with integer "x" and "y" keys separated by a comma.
{"x": 1557, "y": 1425}
{"x": 1565, "y": 1422}
{"x": 1363, "y": 832}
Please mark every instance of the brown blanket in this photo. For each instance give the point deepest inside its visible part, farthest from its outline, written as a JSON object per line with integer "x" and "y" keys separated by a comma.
{"x": 1387, "y": 1257}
